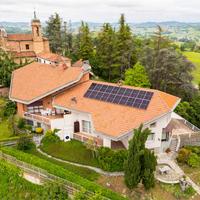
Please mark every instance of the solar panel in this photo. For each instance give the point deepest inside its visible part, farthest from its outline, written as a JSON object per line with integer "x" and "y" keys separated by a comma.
{"x": 124, "y": 96}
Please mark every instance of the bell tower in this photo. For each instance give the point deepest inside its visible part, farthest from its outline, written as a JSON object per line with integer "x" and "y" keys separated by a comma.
{"x": 36, "y": 28}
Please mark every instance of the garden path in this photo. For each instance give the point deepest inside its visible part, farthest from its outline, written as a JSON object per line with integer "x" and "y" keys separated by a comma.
{"x": 98, "y": 170}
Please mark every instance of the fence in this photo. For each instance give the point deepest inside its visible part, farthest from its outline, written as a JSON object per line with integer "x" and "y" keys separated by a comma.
{"x": 70, "y": 187}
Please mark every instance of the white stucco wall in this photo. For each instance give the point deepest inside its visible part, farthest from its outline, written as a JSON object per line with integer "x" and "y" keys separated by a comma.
{"x": 156, "y": 142}
{"x": 66, "y": 124}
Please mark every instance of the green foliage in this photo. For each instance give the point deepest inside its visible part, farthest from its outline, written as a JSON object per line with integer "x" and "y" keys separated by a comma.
{"x": 53, "y": 32}
{"x": 106, "y": 53}
{"x": 82, "y": 195}
{"x": 177, "y": 192}
{"x": 168, "y": 69}
{"x": 9, "y": 109}
{"x": 7, "y": 65}
{"x": 14, "y": 186}
{"x": 124, "y": 47}
{"x": 141, "y": 162}
{"x": 148, "y": 167}
{"x": 50, "y": 137}
{"x": 183, "y": 155}
{"x": 21, "y": 123}
{"x": 193, "y": 160}
{"x": 190, "y": 191}
{"x": 137, "y": 76}
{"x": 190, "y": 110}
{"x": 25, "y": 143}
{"x": 83, "y": 43}
{"x": 63, "y": 173}
{"x": 111, "y": 160}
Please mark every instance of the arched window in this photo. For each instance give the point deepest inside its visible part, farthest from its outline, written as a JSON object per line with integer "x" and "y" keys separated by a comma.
{"x": 37, "y": 31}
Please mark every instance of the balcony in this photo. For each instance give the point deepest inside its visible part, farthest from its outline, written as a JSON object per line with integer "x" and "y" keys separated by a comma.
{"x": 41, "y": 118}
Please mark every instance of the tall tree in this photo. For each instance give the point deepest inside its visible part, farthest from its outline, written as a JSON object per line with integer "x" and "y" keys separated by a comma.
{"x": 84, "y": 46}
{"x": 137, "y": 76}
{"x": 106, "y": 52}
{"x": 124, "y": 47}
{"x": 67, "y": 38}
{"x": 54, "y": 33}
{"x": 141, "y": 162}
{"x": 7, "y": 65}
{"x": 168, "y": 69}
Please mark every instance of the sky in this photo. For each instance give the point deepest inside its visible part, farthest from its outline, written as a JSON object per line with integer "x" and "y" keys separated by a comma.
{"x": 102, "y": 10}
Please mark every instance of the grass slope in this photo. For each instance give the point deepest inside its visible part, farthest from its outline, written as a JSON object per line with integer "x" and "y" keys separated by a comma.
{"x": 73, "y": 151}
{"x": 84, "y": 172}
{"x": 195, "y": 59}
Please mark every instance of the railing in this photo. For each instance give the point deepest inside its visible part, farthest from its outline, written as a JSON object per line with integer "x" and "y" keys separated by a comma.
{"x": 38, "y": 118}
{"x": 71, "y": 188}
{"x": 85, "y": 138}
{"x": 193, "y": 127}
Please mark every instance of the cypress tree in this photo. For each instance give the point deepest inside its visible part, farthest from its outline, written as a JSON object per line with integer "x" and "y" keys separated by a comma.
{"x": 83, "y": 44}
{"x": 141, "y": 162}
{"x": 106, "y": 52}
{"x": 124, "y": 47}
{"x": 54, "y": 33}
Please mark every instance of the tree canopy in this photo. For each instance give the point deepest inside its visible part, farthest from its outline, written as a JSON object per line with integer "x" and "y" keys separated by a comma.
{"x": 7, "y": 65}
{"x": 137, "y": 76}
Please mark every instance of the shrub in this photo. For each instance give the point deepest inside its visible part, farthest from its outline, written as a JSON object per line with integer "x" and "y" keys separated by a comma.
{"x": 183, "y": 155}
{"x": 50, "y": 137}
{"x": 193, "y": 160}
{"x": 25, "y": 143}
{"x": 21, "y": 123}
{"x": 39, "y": 130}
{"x": 190, "y": 191}
{"x": 110, "y": 160}
{"x": 9, "y": 109}
{"x": 194, "y": 149}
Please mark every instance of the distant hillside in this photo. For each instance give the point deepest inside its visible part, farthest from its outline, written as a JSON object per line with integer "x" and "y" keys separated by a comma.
{"x": 177, "y": 31}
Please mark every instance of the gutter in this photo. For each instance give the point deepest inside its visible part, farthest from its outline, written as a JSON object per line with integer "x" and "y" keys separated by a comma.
{"x": 46, "y": 94}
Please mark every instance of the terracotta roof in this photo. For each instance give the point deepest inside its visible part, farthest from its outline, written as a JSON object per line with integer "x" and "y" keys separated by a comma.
{"x": 78, "y": 63}
{"x": 113, "y": 119}
{"x": 52, "y": 57}
{"x": 20, "y": 37}
{"x": 37, "y": 80}
{"x": 24, "y": 54}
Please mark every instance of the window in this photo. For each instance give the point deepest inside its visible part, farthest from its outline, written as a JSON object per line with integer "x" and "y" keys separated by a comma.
{"x": 153, "y": 125}
{"x": 37, "y": 31}
{"x": 151, "y": 136}
{"x": 86, "y": 126}
{"x": 27, "y": 47}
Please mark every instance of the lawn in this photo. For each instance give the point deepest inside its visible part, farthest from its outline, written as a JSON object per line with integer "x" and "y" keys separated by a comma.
{"x": 84, "y": 172}
{"x": 5, "y": 131}
{"x": 73, "y": 151}
{"x": 195, "y": 59}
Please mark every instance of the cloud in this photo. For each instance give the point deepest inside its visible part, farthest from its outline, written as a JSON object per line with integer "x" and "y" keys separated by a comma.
{"x": 102, "y": 10}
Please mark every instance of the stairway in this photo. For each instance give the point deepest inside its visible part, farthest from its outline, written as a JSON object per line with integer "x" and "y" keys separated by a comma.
{"x": 173, "y": 144}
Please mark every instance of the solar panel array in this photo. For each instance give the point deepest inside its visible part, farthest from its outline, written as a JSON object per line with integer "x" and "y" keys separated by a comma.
{"x": 118, "y": 95}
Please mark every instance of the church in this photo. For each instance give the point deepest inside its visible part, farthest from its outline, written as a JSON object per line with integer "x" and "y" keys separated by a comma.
{"x": 25, "y": 47}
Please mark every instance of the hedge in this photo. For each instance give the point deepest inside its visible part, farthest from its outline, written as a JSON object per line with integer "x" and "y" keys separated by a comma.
{"x": 60, "y": 172}
{"x": 111, "y": 160}
{"x": 14, "y": 138}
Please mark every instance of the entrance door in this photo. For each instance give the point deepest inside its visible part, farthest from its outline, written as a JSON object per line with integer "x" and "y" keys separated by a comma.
{"x": 76, "y": 127}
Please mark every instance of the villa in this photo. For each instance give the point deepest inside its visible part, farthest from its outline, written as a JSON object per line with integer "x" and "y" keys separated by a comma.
{"x": 52, "y": 93}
